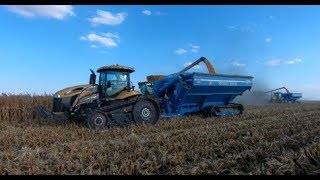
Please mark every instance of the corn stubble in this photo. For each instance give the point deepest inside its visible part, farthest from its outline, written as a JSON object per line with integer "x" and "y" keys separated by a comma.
{"x": 269, "y": 139}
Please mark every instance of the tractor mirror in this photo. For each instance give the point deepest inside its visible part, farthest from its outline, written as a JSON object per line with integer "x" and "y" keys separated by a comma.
{"x": 92, "y": 79}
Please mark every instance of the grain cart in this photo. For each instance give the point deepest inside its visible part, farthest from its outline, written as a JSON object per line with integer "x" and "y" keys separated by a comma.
{"x": 185, "y": 92}
{"x": 113, "y": 101}
{"x": 276, "y": 96}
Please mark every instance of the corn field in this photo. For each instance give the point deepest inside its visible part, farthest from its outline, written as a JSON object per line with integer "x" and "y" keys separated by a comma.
{"x": 282, "y": 139}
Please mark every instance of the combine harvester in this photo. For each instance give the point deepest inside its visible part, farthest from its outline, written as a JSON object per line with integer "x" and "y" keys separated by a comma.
{"x": 280, "y": 97}
{"x": 113, "y": 101}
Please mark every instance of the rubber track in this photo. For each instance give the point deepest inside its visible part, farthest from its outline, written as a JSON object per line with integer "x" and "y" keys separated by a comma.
{"x": 108, "y": 109}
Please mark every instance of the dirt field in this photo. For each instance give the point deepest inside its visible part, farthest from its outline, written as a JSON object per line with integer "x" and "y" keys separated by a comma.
{"x": 268, "y": 139}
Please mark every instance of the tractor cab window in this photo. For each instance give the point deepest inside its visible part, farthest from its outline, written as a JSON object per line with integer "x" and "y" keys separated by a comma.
{"x": 113, "y": 82}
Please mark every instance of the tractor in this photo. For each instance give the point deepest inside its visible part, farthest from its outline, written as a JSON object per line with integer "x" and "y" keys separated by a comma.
{"x": 110, "y": 103}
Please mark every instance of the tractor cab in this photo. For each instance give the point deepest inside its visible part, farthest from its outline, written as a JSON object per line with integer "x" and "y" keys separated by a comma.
{"x": 113, "y": 80}
{"x": 276, "y": 97}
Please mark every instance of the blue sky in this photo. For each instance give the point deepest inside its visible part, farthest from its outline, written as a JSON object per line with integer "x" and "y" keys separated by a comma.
{"x": 47, "y": 48}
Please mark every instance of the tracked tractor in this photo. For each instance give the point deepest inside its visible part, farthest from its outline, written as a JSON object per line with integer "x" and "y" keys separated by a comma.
{"x": 114, "y": 102}
{"x": 110, "y": 103}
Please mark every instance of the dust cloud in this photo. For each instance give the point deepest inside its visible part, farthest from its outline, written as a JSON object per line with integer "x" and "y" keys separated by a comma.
{"x": 256, "y": 96}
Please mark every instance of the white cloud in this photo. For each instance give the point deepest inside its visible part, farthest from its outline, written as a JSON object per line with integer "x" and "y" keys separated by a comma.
{"x": 273, "y": 62}
{"x": 268, "y": 40}
{"x": 295, "y": 61}
{"x": 146, "y": 12}
{"x": 83, "y": 38}
{"x": 110, "y": 35}
{"x": 188, "y": 63}
{"x": 107, "y": 18}
{"x": 49, "y": 11}
{"x": 194, "y": 48}
{"x": 180, "y": 51}
{"x": 278, "y": 62}
{"x": 238, "y": 64}
{"x": 249, "y": 27}
{"x": 107, "y": 40}
{"x": 94, "y": 46}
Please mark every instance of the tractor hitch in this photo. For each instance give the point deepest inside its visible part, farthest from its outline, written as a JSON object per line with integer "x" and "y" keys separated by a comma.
{"x": 44, "y": 113}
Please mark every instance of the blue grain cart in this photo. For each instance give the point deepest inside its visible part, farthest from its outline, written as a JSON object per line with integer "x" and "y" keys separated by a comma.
{"x": 283, "y": 97}
{"x": 209, "y": 93}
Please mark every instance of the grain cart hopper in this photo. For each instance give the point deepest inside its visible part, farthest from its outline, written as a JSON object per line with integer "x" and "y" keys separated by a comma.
{"x": 283, "y": 97}
{"x": 113, "y": 102}
{"x": 185, "y": 92}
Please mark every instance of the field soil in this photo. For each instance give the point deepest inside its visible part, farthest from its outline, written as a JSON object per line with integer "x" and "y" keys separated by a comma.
{"x": 281, "y": 139}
